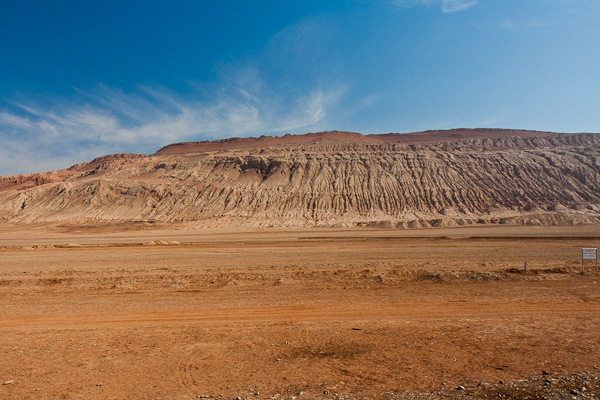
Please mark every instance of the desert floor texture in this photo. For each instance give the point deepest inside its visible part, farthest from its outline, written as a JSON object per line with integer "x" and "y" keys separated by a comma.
{"x": 160, "y": 313}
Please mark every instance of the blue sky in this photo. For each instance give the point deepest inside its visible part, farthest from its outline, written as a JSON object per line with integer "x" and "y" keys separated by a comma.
{"x": 81, "y": 79}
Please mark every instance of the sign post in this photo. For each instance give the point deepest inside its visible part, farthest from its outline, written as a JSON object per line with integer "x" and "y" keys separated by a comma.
{"x": 589, "y": 254}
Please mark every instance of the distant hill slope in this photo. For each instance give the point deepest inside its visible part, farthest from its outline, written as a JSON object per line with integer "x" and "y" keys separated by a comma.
{"x": 433, "y": 178}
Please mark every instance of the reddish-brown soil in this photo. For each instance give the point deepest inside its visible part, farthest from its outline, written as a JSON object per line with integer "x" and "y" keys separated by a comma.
{"x": 262, "y": 142}
{"x": 100, "y": 313}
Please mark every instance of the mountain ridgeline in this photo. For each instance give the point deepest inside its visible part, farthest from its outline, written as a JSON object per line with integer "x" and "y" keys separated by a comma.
{"x": 423, "y": 179}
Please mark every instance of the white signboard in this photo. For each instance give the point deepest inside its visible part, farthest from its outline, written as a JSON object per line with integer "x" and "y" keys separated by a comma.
{"x": 588, "y": 254}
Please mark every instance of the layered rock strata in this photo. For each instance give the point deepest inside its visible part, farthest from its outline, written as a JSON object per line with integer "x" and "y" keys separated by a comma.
{"x": 436, "y": 178}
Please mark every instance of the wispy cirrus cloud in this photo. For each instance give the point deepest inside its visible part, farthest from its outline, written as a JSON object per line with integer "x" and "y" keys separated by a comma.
{"x": 284, "y": 87}
{"x": 450, "y": 6}
{"x": 36, "y": 136}
{"x": 447, "y": 6}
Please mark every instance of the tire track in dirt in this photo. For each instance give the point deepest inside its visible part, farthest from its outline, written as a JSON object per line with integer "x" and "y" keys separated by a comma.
{"x": 188, "y": 365}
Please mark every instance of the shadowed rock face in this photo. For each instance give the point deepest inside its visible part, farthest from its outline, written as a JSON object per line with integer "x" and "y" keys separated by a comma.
{"x": 436, "y": 178}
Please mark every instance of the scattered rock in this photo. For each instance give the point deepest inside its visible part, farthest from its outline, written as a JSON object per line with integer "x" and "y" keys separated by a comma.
{"x": 161, "y": 243}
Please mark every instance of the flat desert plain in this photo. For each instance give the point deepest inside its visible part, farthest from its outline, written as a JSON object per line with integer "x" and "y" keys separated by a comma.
{"x": 160, "y": 313}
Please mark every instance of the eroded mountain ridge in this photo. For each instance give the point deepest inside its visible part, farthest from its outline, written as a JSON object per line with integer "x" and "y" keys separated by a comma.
{"x": 439, "y": 178}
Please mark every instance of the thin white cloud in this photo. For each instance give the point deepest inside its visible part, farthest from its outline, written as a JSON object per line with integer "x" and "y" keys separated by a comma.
{"x": 106, "y": 120}
{"x": 447, "y": 6}
{"x": 14, "y": 120}
{"x": 450, "y": 6}
{"x": 50, "y": 133}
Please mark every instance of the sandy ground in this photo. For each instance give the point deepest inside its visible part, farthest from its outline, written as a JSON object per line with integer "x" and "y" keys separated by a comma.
{"x": 101, "y": 313}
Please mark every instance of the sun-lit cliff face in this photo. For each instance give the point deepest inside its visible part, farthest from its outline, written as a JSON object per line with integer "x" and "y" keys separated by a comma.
{"x": 439, "y": 178}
